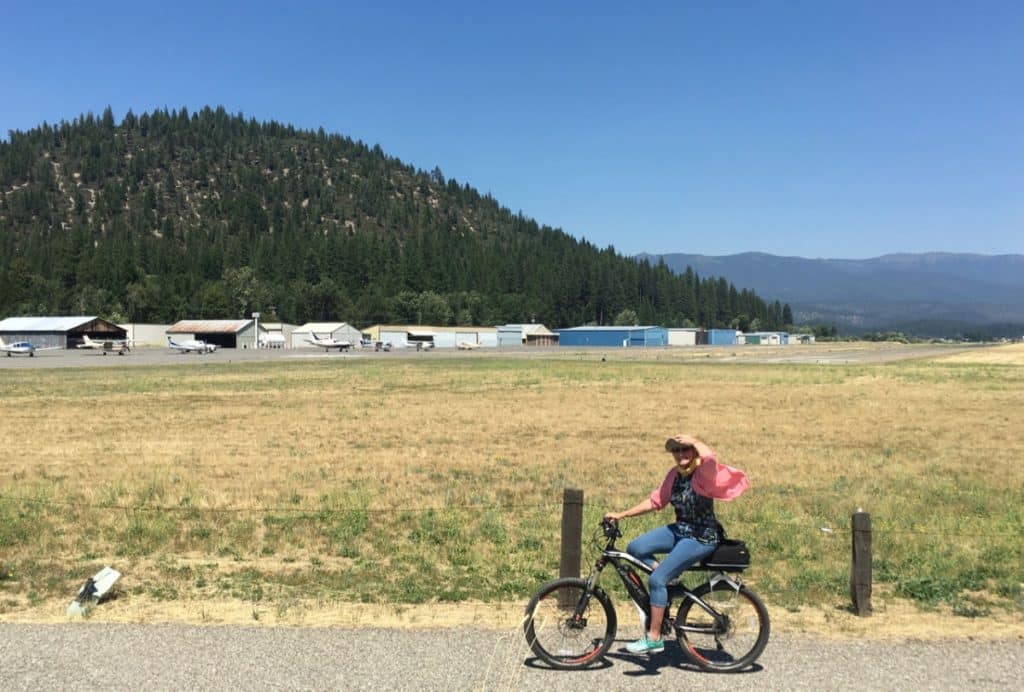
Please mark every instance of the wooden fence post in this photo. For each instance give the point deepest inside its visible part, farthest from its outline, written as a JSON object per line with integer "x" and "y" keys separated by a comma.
{"x": 860, "y": 567}
{"x": 572, "y": 536}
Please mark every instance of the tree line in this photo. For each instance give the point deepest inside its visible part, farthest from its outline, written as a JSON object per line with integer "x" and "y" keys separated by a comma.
{"x": 172, "y": 214}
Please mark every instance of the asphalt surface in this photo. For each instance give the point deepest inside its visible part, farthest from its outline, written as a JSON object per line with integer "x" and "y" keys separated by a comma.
{"x": 154, "y": 355}
{"x": 839, "y": 353}
{"x": 93, "y": 656}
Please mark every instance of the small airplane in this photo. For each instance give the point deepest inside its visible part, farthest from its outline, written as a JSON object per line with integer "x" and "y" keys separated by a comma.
{"x": 18, "y": 348}
{"x": 468, "y": 345}
{"x": 119, "y": 346}
{"x": 327, "y": 343}
{"x": 191, "y": 346}
{"x": 22, "y": 348}
{"x": 418, "y": 345}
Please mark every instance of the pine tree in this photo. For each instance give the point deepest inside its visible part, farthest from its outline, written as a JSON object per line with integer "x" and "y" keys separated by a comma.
{"x": 169, "y": 210}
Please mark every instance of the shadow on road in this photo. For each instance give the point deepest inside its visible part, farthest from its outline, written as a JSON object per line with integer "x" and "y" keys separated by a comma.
{"x": 641, "y": 665}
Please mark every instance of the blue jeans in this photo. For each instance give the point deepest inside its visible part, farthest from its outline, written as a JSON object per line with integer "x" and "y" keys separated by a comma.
{"x": 680, "y": 553}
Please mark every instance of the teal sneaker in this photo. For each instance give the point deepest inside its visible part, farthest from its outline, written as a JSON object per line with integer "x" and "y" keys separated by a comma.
{"x": 643, "y": 645}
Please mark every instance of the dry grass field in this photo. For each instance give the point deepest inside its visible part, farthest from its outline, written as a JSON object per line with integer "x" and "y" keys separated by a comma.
{"x": 298, "y": 491}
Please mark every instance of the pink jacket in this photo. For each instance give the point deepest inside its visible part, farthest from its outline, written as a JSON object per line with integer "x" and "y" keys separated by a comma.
{"x": 711, "y": 479}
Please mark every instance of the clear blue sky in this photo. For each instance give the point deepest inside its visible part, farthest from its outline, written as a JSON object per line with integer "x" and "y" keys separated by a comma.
{"x": 810, "y": 128}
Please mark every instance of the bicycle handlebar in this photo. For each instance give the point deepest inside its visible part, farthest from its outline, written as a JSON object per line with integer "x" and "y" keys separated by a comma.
{"x": 610, "y": 527}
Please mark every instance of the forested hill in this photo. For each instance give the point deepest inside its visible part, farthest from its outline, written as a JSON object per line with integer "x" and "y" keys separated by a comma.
{"x": 174, "y": 214}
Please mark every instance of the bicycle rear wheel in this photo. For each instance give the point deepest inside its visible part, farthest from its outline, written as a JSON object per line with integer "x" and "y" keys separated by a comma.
{"x": 735, "y": 639}
{"x": 557, "y": 637}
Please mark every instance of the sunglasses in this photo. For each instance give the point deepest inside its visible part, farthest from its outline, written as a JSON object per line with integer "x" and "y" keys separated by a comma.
{"x": 681, "y": 450}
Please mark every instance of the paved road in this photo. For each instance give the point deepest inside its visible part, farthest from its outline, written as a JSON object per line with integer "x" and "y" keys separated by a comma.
{"x": 174, "y": 657}
{"x": 162, "y": 356}
{"x": 822, "y": 354}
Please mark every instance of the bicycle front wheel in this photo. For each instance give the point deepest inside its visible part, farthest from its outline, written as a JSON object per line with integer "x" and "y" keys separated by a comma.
{"x": 558, "y": 637}
{"x": 729, "y": 642}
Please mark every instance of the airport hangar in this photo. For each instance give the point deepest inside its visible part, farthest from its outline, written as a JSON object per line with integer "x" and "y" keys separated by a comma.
{"x": 221, "y": 333}
{"x": 341, "y": 331}
{"x": 450, "y": 337}
{"x": 613, "y": 336}
{"x": 62, "y": 332}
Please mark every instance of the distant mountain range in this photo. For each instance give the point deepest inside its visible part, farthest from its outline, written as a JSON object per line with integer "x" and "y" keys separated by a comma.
{"x": 930, "y": 294}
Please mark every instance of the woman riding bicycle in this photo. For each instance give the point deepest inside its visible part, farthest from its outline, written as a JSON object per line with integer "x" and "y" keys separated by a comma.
{"x": 691, "y": 486}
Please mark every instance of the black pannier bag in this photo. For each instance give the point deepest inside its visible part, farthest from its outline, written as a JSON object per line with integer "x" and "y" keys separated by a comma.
{"x": 731, "y": 555}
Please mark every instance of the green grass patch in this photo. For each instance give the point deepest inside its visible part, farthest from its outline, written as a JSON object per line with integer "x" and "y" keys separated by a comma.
{"x": 421, "y": 480}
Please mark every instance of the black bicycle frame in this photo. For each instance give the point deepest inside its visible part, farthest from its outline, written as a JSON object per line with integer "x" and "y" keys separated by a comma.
{"x": 627, "y": 567}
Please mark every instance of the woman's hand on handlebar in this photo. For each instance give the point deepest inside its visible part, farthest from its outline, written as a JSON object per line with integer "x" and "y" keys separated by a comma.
{"x": 610, "y": 525}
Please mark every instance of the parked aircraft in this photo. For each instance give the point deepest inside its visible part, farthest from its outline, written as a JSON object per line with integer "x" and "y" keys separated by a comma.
{"x": 327, "y": 343}
{"x": 22, "y": 348}
{"x": 468, "y": 345}
{"x": 191, "y": 346}
{"x": 418, "y": 345}
{"x": 120, "y": 346}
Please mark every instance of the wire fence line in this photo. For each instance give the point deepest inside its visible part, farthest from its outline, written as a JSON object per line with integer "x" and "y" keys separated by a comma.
{"x": 822, "y": 449}
{"x": 920, "y": 532}
{"x": 274, "y": 510}
{"x": 500, "y": 507}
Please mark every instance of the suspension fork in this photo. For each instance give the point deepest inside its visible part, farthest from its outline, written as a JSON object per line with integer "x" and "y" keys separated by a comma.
{"x": 588, "y": 591}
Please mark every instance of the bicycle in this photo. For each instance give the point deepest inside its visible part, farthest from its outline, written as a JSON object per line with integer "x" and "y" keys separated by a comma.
{"x": 721, "y": 625}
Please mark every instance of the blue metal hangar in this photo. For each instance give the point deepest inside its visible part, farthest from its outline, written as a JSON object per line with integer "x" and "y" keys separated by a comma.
{"x": 623, "y": 337}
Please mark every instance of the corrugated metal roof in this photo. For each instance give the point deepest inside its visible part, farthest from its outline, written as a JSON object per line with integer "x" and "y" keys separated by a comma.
{"x": 537, "y": 330}
{"x": 208, "y": 326}
{"x": 607, "y": 329}
{"x": 320, "y": 327}
{"x": 429, "y": 329}
{"x": 531, "y": 328}
{"x": 43, "y": 324}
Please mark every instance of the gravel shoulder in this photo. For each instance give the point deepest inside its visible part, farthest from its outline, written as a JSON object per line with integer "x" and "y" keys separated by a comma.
{"x": 893, "y": 619}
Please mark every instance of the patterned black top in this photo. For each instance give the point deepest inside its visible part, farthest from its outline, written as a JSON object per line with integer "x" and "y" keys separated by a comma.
{"x": 695, "y": 514}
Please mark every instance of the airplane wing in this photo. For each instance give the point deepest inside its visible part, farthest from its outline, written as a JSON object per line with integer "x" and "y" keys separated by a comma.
{"x": 24, "y": 348}
{"x": 113, "y": 345}
{"x": 175, "y": 346}
{"x": 327, "y": 343}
